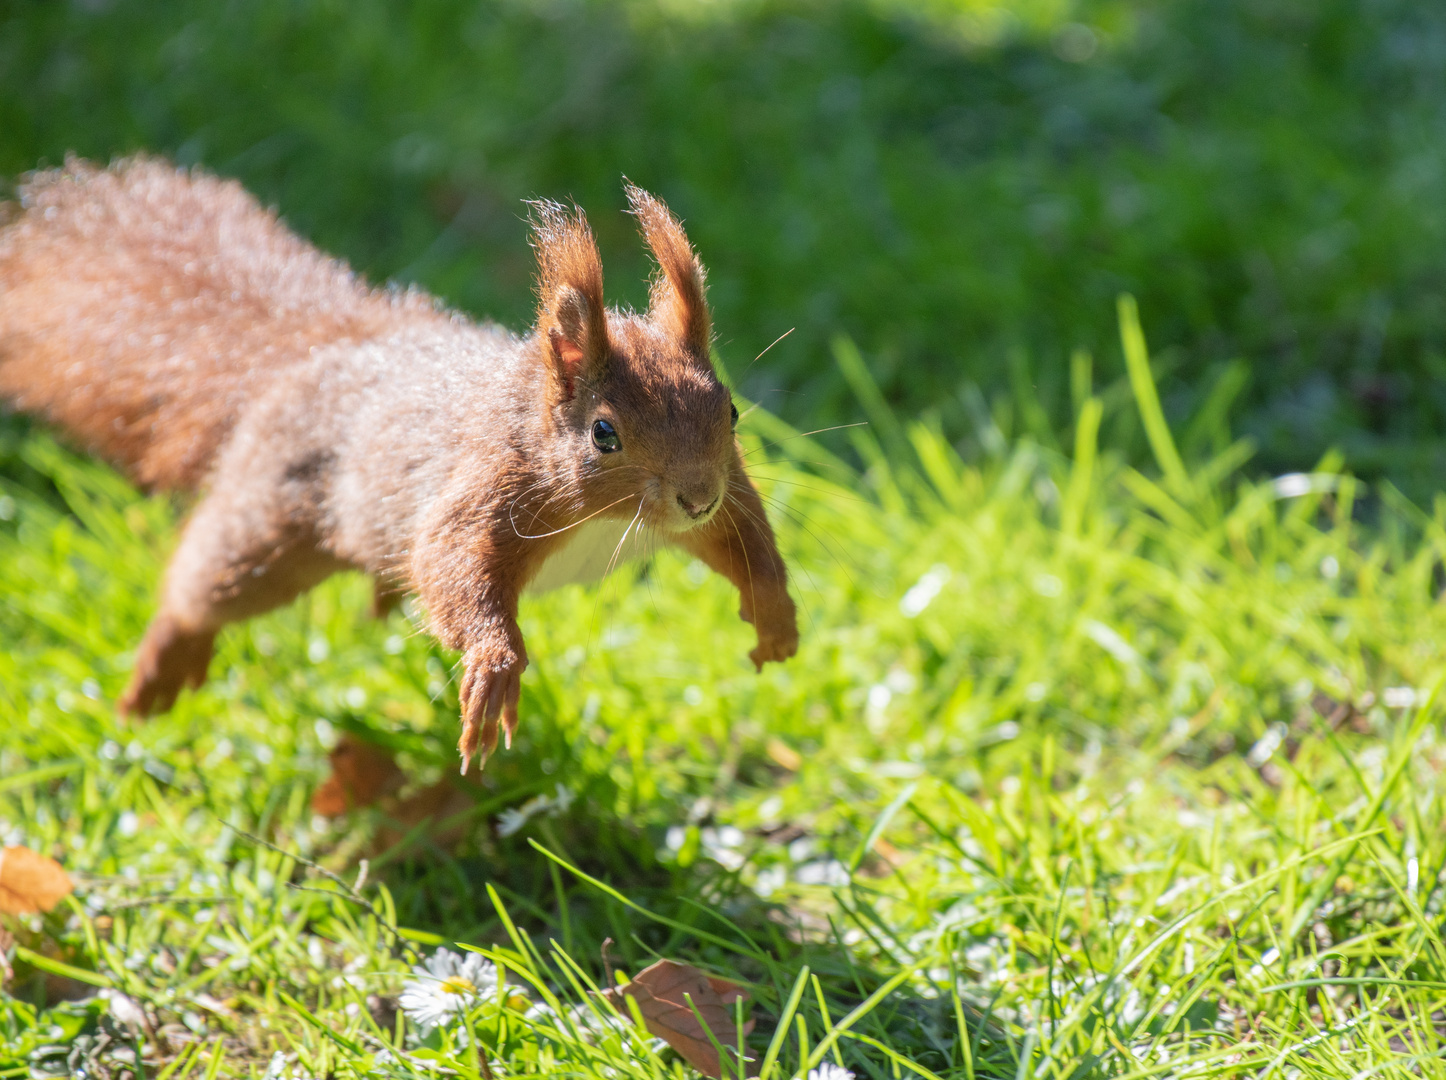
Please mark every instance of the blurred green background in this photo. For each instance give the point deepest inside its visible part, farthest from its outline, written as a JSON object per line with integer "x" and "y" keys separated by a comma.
{"x": 960, "y": 186}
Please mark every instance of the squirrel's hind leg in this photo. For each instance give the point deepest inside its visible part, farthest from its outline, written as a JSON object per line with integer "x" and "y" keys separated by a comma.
{"x": 246, "y": 549}
{"x": 170, "y": 658}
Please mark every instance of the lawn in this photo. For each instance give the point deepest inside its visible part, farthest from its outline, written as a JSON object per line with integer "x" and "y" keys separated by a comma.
{"x": 1113, "y": 746}
{"x": 1081, "y": 770}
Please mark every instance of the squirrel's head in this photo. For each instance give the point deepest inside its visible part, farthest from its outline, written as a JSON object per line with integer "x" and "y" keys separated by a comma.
{"x": 639, "y": 410}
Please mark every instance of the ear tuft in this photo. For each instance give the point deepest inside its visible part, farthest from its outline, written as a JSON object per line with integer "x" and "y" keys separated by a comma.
{"x": 571, "y": 319}
{"x": 678, "y": 299}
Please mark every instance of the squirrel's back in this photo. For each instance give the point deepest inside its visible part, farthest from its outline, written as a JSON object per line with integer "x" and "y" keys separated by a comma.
{"x": 141, "y": 307}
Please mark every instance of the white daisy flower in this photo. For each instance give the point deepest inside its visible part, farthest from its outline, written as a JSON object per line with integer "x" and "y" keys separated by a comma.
{"x": 597, "y": 1022}
{"x": 594, "y": 1023}
{"x": 447, "y": 986}
{"x": 540, "y": 1012}
{"x": 829, "y": 1071}
{"x": 280, "y": 1069}
{"x": 511, "y": 820}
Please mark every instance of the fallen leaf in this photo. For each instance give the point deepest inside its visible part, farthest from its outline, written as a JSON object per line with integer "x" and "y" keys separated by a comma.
{"x": 361, "y": 775}
{"x": 30, "y": 882}
{"x": 663, "y": 992}
{"x": 364, "y": 774}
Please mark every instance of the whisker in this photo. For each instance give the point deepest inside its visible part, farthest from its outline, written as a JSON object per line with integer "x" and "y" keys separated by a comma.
{"x": 780, "y": 508}
{"x": 806, "y": 434}
{"x": 747, "y": 562}
{"x": 563, "y": 491}
{"x": 760, "y": 356}
{"x": 653, "y": 544}
{"x": 836, "y": 465}
{"x": 537, "y": 510}
{"x": 801, "y": 520}
{"x": 618, "y": 550}
{"x": 607, "y": 573}
{"x": 742, "y": 506}
{"x": 808, "y": 487}
{"x": 815, "y": 431}
{"x": 532, "y": 487}
{"x": 575, "y": 524}
{"x": 527, "y": 491}
{"x": 812, "y": 584}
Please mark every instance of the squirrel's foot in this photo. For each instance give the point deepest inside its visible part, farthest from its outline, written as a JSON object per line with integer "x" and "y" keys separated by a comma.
{"x": 169, "y": 659}
{"x": 774, "y": 647}
{"x": 491, "y": 689}
{"x": 777, "y": 632}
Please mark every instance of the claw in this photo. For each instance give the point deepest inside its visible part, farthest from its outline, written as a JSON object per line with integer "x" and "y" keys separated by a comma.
{"x": 489, "y": 736}
{"x": 467, "y": 744}
{"x": 509, "y": 708}
{"x": 490, "y": 691}
{"x": 509, "y": 725}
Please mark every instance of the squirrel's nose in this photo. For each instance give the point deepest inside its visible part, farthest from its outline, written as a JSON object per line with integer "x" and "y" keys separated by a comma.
{"x": 697, "y": 509}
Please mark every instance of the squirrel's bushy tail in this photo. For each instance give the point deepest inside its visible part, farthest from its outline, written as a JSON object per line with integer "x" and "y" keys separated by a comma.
{"x": 141, "y": 305}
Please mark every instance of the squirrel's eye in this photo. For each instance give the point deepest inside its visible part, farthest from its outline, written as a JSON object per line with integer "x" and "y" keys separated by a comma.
{"x": 734, "y": 410}
{"x": 605, "y": 437}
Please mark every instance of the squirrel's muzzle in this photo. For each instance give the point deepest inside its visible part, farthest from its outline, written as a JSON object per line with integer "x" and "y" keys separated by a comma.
{"x": 699, "y": 508}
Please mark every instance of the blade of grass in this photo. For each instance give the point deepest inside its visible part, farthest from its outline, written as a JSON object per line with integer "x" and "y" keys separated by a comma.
{"x": 1147, "y": 398}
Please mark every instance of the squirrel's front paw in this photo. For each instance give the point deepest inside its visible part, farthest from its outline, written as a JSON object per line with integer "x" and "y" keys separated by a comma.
{"x": 777, "y": 635}
{"x": 169, "y": 659}
{"x": 491, "y": 687}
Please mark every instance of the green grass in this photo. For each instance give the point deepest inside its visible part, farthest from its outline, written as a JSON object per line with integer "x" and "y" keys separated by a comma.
{"x": 1081, "y": 771}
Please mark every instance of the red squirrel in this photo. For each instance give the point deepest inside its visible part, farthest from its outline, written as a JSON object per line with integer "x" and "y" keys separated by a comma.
{"x": 168, "y": 323}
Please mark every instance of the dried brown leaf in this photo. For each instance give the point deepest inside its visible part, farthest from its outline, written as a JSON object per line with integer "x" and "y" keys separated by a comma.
{"x": 364, "y": 774}
{"x": 663, "y": 993}
{"x": 361, "y": 775}
{"x": 30, "y": 882}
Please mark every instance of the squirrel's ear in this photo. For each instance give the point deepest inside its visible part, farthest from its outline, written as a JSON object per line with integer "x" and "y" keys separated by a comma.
{"x": 571, "y": 320}
{"x": 677, "y": 300}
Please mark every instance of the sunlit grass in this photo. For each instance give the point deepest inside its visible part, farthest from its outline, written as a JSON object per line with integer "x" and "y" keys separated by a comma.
{"x": 1079, "y": 772}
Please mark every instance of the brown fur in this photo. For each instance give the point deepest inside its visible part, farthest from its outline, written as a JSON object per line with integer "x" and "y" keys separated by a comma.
{"x": 141, "y": 304}
{"x": 171, "y": 325}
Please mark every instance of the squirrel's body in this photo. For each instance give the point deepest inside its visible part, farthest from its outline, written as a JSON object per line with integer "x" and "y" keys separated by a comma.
{"x": 171, "y": 325}
{"x": 371, "y": 451}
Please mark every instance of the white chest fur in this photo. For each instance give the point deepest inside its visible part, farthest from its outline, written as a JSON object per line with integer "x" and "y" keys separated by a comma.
{"x": 590, "y": 550}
